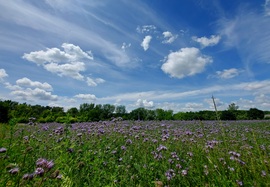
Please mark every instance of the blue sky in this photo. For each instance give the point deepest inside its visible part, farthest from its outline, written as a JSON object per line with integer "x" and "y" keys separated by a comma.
{"x": 144, "y": 53}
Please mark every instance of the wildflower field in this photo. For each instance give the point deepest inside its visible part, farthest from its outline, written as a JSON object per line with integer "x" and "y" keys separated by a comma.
{"x": 136, "y": 153}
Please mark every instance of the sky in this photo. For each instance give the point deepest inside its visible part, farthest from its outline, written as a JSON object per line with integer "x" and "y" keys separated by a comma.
{"x": 174, "y": 55}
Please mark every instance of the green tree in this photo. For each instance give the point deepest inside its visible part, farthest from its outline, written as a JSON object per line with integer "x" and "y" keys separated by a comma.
{"x": 120, "y": 110}
{"x": 227, "y": 115}
{"x": 73, "y": 112}
{"x": 233, "y": 107}
{"x": 254, "y": 113}
{"x": 4, "y": 112}
{"x": 138, "y": 114}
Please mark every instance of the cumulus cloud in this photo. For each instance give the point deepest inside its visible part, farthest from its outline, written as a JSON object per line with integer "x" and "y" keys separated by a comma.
{"x": 70, "y": 53}
{"x": 168, "y": 37}
{"x": 3, "y": 74}
{"x": 146, "y": 41}
{"x": 94, "y": 82}
{"x": 25, "y": 82}
{"x": 185, "y": 62}
{"x": 205, "y": 42}
{"x": 88, "y": 97}
{"x": 64, "y": 63}
{"x": 146, "y": 29}
{"x": 28, "y": 90}
{"x": 34, "y": 94}
{"x": 228, "y": 73}
{"x": 72, "y": 69}
{"x": 144, "y": 103}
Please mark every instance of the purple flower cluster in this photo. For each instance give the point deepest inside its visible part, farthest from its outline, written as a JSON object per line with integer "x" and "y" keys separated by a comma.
{"x": 43, "y": 166}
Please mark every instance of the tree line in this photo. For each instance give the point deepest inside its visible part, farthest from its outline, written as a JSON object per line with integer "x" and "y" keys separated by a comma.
{"x": 88, "y": 112}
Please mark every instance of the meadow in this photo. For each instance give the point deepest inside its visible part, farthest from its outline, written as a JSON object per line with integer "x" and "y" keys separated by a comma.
{"x": 136, "y": 153}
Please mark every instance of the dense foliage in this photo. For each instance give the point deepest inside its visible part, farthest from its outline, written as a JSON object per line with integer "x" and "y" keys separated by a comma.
{"x": 92, "y": 112}
{"x": 136, "y": 153}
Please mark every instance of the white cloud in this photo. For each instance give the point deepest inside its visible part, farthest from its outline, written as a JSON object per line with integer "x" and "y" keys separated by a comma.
{"x": 267, "y": 7}
{"x": 205, "y": 42}
{"x": 248, "y": 32}
{"x": 146, "y": 29}
{"x": 88, "y": 97}
{"x": 34, "y": 94}
{"x": 72, "y": 69}
{"x": 71, "y": 53}
{"x": 41, "y": 21}
{"x": 68, "y": 62}
{"x": 185, "y": 62}
{"x": 28, "y": 90}
{"x": 12, "y": 87}
{"x": 94, "y": 82}
{"x": 3, "y": 74}
{"x": 25, "y": 82}
{"x": 146, "y": 41}
{"x": 193, "y": 107}
{"x": 144, "y": 103}
{"x": 228, "y": 73}
{"x": 169, "y": 37}
{"x": 125, "y": 46}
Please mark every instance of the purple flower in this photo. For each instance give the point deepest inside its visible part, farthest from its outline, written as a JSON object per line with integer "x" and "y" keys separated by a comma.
{"x": 145, "y": 139}
{"x": 129, "y": 141}
{"x": 170, "y": 174}
{"x": 263, "y": 173}
{"x": 28, "y": 176}
{"x": 170, "y": 161}
{"x": 39, "y": 171}
{"x": 49, "y": 164}
{"x": 3, "y": 150}
{"x": 178, "y": 166}
{"x": 14, "y": 170}
{"x": 184, "y": 172}
{"x": 190, "y": 154}
{"x": 239, "y": 183}
{"x": 161, "y": 147}
{"x": 123, "y": 148}
{"x": 41, "y": 162}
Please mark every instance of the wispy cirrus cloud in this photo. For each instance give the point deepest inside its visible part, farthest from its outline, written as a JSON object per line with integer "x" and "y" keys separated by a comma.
{"x": 38, "y": 20}
{"x": 248, "y": 32}
{"x": 267, "y": 7}
{"x": 146, "y": 29}
{"x": 227, "y": 73}
{"x": 94, "y": 82}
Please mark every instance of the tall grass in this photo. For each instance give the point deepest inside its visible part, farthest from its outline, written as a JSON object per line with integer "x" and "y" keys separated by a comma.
{"x": 136, "y": 153}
